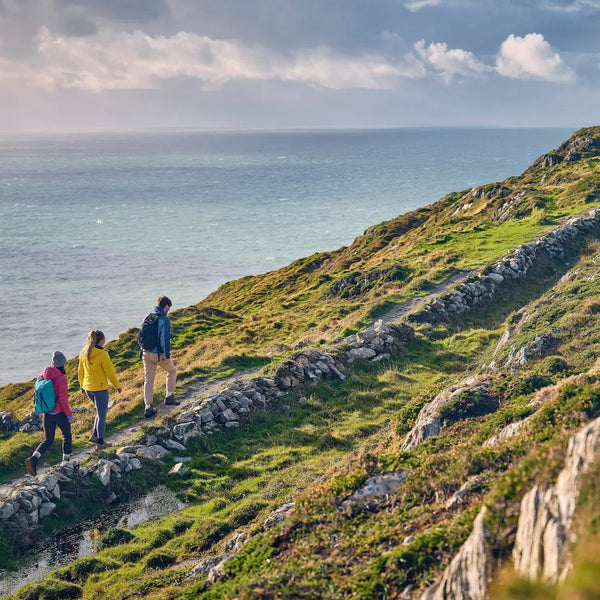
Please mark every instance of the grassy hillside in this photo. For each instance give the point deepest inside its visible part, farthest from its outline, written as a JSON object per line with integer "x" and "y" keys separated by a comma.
{"x": 318, "y": 446}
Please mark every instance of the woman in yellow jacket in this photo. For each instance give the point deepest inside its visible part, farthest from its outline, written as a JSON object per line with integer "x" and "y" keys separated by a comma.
{"x": 95, "y": 371}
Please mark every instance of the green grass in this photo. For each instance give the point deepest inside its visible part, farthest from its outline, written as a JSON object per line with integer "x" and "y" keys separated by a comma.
{"x": 319, "y": 445}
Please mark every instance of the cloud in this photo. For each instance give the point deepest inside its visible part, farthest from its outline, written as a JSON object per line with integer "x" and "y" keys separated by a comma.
{"x": 531, "y": 57}
{"x": 368, "y": 71}
{"x": 572, "y": 5}
{"x": 450, "y": 63}
{"x": 417, "y": 5}
{"x": 120, "y": 60}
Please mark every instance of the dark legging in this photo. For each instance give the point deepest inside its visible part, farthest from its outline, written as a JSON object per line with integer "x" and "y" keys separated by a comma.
{"x": 50, "y": 423}
{"x": 100, "y": 399}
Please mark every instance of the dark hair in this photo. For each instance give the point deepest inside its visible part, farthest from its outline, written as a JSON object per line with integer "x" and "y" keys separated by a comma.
{"x": 62, "y": 370}
{"x": 164, "y": 301}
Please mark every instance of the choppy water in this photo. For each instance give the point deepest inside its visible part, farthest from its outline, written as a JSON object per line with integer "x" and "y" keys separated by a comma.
{"x": 94, "y": 227}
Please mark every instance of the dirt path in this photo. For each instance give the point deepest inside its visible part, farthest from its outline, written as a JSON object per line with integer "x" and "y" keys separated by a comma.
{"x": 121, "y": 437}
{"x": 199, "y": 388}
{"x": 402, "y": 309}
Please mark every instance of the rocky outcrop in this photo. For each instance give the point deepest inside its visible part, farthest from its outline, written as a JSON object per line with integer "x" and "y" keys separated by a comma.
{"x": 482, "y": 287}
{"x": 468, "y": 574}
{"x": 8, "y": 423}
{"x": 279, "y": 516}
{"x": 583, "y": 142}
{"x": 508, "y": 432}
{"x": 31, "y": 422}
{"x": 374, "y": 494}
{"x": 212, "y": 568}
{"x": 520, "y": 356}
{"x": 543, "y": 534}
{"x": 429, "y": 421}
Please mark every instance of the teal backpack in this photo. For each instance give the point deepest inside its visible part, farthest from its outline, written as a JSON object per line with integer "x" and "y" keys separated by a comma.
{"x": 44, "y": 397}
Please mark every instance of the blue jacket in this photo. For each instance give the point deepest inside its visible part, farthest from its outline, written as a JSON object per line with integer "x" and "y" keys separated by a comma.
{"x": 164, "y": 333}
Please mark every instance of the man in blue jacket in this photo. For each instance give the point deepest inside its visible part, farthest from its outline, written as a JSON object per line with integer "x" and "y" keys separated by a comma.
{"x": 160, "y": 356}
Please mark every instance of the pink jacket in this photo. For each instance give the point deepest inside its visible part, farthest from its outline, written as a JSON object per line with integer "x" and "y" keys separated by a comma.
{"x": 59, "y": 381}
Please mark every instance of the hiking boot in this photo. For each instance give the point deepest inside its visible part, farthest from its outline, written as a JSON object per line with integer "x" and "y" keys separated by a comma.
{"x": 103, "y": 446}
{"x": 31, "y": 464}
{"x": 149, "y": 412}
{"x": 171, "y": 401}
{"x": 93, "y": 438}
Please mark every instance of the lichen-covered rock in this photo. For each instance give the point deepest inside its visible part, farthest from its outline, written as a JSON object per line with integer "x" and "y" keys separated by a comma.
{"x": 278, "y": 516}
{"x": 179, "y": 469}
{"x": 381, "y": 485}
{"x": 543, "y": 533}
{"x": 155, "y": 452}
{"x": 510, "y": 431}
{"x": 429, "y": 421}
{"x": 468, "y": 574}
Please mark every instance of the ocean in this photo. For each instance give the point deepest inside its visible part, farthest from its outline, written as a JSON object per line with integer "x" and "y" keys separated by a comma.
{"x": 95, "y": 226}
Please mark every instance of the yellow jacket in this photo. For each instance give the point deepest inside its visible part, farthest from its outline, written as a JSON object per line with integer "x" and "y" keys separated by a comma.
{"x": 94, "y": 375}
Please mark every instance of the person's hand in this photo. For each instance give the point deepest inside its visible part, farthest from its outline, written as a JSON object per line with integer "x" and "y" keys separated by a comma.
{"x": 70, "y": 418}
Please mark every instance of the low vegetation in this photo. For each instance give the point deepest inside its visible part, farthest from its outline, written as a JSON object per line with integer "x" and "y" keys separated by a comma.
{"x": 318, "y": 446}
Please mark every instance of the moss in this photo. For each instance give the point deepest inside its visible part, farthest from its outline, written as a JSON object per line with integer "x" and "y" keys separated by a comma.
{"x": 468, "y": 404}
{"x": 49, "y": 589}
{"x": 159, "y": 560}
{"x": 113, "y": 537}
{"x": 79, "y": 570}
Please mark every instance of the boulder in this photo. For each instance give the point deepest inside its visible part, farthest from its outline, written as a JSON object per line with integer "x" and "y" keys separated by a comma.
{"x": 278, "y": 516}
{"x": 103, "y": 473}
{"x": 47, "y": 508}
{"x": 155, "y": 452}
{"x": 179, "y": 469}
{"x": 543, "y": 533}
{"x": 468, "y": 574}
{"x": 381, "y": 485}
{"x": 361, "y": 353}
{"x": 173, "y": 446}
{"x": 7, "y": 510}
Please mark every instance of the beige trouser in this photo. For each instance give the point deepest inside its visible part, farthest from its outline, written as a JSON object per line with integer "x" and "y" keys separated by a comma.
{"x": 151, "y": 361}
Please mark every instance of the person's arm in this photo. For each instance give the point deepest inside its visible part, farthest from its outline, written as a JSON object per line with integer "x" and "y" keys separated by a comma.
{"x": 62, "y": 393}
{"x": 80, "y": 373}
{"x": 165, "y": 341}
{"x": 109, "y": 370}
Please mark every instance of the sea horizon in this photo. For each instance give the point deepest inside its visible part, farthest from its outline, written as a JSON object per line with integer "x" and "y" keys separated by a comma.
{"x": 96, "y": 225}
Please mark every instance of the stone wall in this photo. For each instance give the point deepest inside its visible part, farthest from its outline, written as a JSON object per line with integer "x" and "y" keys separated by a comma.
{"x": 482, "y": 287}
{"x": 27, "y": 502}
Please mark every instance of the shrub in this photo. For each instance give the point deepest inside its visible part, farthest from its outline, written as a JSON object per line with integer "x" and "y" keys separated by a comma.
{"x": 114, "y": 537}
{"x": 553, "y": 365}
{"x": 530, "y": 384}
{"x": 159, "y": 560}
{"x": 470, "y": 403}
{"x": 49, "y": 589}
{"x": 79, "y": 570}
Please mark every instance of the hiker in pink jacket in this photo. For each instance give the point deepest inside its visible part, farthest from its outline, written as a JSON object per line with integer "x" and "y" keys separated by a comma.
{"x": 60, "y": 417}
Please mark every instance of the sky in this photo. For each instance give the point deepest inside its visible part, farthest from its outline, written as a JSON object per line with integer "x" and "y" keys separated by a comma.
{"x": 279, "y": 64}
